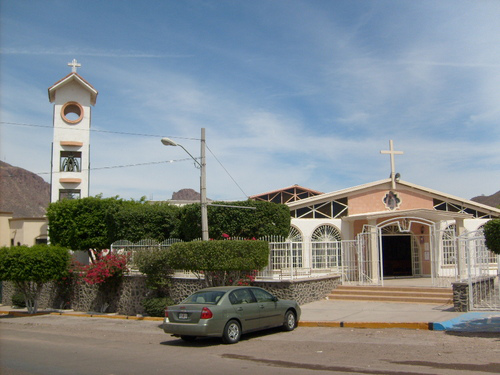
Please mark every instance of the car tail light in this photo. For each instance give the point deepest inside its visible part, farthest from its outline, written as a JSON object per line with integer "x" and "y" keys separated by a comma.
{"x": 166, "y": 312}
{"x": 206, "y": 313}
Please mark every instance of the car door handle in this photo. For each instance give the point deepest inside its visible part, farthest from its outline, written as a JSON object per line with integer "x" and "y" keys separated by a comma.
{"x": 239, "y": 309}
{"x": 261, "y": 306}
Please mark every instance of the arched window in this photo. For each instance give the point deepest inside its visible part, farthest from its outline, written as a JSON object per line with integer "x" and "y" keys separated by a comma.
{"x": 326, "y": 233}
{"x": 449, "y": 245}
{"x": 326, "y": 247}
{"x": 295, "y": 235}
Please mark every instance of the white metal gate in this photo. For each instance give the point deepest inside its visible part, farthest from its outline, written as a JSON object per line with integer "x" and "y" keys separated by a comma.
{"x": 444, "y": 255}
{"x": 482, "y": 272}
{"x": 362, "y": 258}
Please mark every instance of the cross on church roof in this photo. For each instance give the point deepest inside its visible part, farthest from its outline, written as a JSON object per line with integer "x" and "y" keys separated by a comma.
{"x": 393, "y": 168}
{"x": 74, "y": 64}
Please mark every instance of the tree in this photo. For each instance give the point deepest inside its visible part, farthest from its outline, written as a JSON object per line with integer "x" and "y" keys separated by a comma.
{"x": 492, "y": 235}
{"x": 80, "y": 224}
{"x": 220, "y": 262}
{"x": 96, "y": 222}
{"x": 30, "y": 268}
{"x": 266, "y": 219}
{"x": 136, "y": 221}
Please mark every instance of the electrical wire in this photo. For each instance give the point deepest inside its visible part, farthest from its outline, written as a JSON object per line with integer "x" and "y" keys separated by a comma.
{"x": 229, "y": 174}
{"x": 133, "y": 134}
{"x": 96, "y": 130}
{"x": 118, "y": 166}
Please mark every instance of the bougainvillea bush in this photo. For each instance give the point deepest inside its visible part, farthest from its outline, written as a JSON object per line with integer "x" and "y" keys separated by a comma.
{"x": 106, "y": 266}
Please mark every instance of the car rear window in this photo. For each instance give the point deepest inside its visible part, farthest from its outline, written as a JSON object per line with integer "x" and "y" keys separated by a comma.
{"x": 205, "y": 297}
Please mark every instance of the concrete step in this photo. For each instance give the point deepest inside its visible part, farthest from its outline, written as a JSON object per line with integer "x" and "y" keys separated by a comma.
{"x": 393, "y": 294}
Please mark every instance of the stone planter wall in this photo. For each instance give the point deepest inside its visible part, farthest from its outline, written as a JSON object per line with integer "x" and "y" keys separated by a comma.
{"x": 302, "y": 290}
{"x": 481, "y": 288}
{"x": 125, "y": 298}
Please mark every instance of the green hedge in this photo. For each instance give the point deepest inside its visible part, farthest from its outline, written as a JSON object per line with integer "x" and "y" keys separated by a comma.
{"x": 224, "y": 262}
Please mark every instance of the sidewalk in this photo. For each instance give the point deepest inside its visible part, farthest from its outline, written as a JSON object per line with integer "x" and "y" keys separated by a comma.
{"x": 358, "y": 314}
{"x": 354, "y": 314}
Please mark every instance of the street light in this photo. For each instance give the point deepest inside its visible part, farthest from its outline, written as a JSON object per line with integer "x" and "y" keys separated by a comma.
{"x": 203, "y": 181}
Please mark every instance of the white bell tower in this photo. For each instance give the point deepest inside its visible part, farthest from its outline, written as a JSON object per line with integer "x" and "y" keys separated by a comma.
{"x": 70, "y": 167}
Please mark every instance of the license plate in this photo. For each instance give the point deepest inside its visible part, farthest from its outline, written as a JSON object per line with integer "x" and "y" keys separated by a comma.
{"x": 183, "y": 315}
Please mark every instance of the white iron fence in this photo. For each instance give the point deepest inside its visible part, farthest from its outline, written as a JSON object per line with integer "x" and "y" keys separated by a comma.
{"x": 481, "y": 272}
{"x": 452, "y": 258}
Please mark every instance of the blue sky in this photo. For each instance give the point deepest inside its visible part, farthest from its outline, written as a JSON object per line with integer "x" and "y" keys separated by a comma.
{"x": 289, "y": 92}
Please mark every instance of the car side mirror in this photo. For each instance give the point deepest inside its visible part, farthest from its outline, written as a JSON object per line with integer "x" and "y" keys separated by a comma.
{"x": 275, "y": 299}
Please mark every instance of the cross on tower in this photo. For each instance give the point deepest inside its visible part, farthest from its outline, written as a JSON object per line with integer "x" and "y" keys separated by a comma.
{"x": 393, "y": 169}
{"x": 74, "y": 64}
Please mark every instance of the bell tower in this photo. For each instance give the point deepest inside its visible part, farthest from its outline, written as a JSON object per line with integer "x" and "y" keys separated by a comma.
{"x": 70, "y": 166}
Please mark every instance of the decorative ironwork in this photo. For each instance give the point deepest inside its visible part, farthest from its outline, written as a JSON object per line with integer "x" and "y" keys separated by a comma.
{"x": 326, "y": 233}
{"x": 459, "y": 208}
{"x": 326, "y": 210}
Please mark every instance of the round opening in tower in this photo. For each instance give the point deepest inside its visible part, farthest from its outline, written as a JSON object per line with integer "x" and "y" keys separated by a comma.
{"x": 72, "y": 112}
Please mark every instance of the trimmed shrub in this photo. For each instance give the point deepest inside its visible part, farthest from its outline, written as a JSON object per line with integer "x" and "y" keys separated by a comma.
{"x": 18, "y": 300}
{"x": 154, "y": 264}
{"x": 29, "y": 268}
{"x": 220, "y": 262}
{"x": 156, "y": 306}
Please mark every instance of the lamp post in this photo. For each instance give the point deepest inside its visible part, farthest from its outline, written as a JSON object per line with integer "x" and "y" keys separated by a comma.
{"x": 203, "y": 181}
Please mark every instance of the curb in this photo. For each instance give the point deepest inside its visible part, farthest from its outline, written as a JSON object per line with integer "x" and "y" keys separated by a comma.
{"x": 470, "y": 322}
{"x": 373, "y": 325}
{"x": 80, "y": 315}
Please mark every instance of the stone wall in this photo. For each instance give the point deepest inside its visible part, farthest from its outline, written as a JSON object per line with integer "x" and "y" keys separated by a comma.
{"x": 481, "y": 288}
{"x": 302, "y": 290}
{"x": 125, "y": 297}
{"x": 182, "y": 288}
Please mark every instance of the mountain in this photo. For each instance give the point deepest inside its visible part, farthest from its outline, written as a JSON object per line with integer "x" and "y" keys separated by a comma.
{"x": 490, "y": 200}
{"x": 186, "y": 195}
{"x": 26, "y": 194}
{"x": 22, "y": 192}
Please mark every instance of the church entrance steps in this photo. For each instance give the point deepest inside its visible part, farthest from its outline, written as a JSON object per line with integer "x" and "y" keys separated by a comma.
{"x": 440, "y": 296}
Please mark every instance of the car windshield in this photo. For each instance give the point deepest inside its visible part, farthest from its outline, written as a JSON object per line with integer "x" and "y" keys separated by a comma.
{"x": 205, "y": 297}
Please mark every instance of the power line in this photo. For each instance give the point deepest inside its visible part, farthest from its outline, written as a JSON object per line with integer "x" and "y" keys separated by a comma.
{"x": 229, "y": 174}
{"x": 120, "y": 166}
{"x": 132, "y": 134}
{"x": 95, "y": 130}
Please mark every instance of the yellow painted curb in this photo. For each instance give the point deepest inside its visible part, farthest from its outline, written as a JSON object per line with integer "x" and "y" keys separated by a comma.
{"x": 408, "y": 325}
{"x": 372, "y": 325}
{"x": 320, "y": 324}
{"x": 125, "y": 317}
{"x": 77, "y": 315}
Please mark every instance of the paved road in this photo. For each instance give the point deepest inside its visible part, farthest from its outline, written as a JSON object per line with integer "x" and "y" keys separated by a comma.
{"x": 68, "y": 345}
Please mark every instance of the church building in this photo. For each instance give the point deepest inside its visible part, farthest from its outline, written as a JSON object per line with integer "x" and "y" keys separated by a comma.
{"x": 384, "y": 229}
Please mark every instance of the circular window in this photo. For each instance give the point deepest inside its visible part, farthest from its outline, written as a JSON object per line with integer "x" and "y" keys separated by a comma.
{"x": 72, "y": 112}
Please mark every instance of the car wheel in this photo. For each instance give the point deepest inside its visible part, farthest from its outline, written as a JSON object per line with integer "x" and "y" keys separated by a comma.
{"x": 232, "y": 332}
{"x": 188, "y": 338}
{"x": 290, "y": 321}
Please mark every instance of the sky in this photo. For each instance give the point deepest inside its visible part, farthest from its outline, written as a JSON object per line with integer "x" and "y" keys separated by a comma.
{"x": 289, "y": 92}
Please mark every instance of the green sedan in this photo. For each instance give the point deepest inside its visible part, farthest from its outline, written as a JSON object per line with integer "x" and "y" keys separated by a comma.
{"x": 228, "y": 312}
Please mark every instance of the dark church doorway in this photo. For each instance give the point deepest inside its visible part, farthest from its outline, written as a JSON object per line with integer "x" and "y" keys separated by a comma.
{"x": 396, "y": 255}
